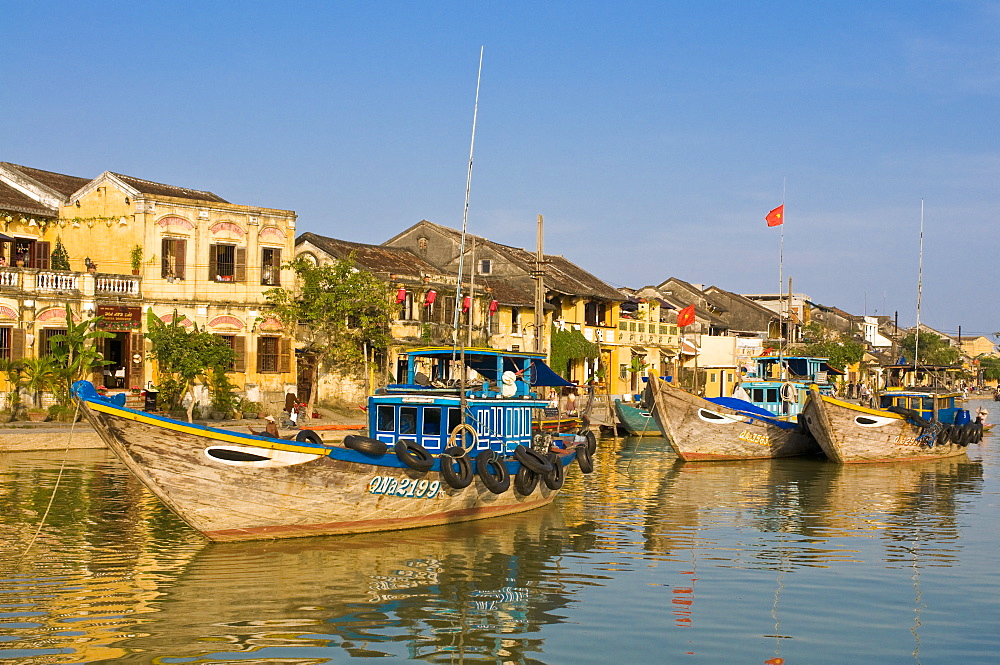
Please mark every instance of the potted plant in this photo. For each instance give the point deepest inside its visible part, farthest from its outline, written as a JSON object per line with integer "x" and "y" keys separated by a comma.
{"x": 250, "y": 409}
{"x": 135, "y": 257}
{"x": 37, "y": 414}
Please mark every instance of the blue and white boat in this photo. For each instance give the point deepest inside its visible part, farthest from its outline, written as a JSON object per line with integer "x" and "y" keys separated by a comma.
{"x": 438, "y": 452}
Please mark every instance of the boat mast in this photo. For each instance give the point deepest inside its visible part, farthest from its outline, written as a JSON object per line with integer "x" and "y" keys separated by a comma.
{"x": 461, "y": 253}
{"x": 782, "y": 324}
{"x": 920, "y": 288}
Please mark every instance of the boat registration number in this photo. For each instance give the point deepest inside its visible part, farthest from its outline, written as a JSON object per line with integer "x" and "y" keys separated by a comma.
{"x": 904, "y": 440}
{"x": 414, "y": 489}
{"x": 754, "y": 437}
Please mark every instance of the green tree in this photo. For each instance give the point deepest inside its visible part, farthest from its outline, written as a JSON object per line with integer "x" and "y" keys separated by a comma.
{"x": 182, "y": 356}
{"x": 338, "y": 311}
{"x": 75, "y": 355}
{"x": 990, "y": 367}
{"x": 14, "y": 369}
{"x": 39, "y": 376}
{"x": 841, "y": 353}
{"x": 60, "y": 257}
{"x": 570, "y": 345}
{"x": 932, "y": 349}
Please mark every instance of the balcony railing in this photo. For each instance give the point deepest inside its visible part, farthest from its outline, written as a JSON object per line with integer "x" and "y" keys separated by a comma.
{"x": 34, "y": 281}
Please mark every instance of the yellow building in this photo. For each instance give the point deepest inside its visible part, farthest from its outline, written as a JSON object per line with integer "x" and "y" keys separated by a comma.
{"x": 136, "y": 246}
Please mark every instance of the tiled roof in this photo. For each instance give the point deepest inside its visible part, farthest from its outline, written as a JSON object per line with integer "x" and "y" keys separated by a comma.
{"x": 507, "y": 293}
{"x": 373, "y": 258}
{"x": 561, "y": 274}
{"x": 63, "y": 184}
{"x": 159, "y": 189}
{"x": 14, "y": 201}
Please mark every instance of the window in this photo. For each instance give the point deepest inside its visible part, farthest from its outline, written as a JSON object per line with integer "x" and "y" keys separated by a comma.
{"x": 274, "y": 354}
{"x": 407, "y": 312}
{"x": 238, "y": 345}
{"x": 432, "y": 421}
{"x": 46, "y": 342}
{"x": 5, "y": 343}
{"x": 227, "y": 263}
{"x": 594, "y": 313}
{"x": 515, "y": 320}
{"x": 385, "y": 418}
{"x": 407, "y": 420}
{"x": 270, "y": 266}
{"x": 622, "y": 371}
{"x": 173, "y": 251}
{"x": 485, "y": 267}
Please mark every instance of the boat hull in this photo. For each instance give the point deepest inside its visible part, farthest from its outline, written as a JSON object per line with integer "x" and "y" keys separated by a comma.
{"x": 849, "y": 434}
{"x": 636, "y": 421}
{"x": 231, "y": 486}
{"x": 699, "y": 430}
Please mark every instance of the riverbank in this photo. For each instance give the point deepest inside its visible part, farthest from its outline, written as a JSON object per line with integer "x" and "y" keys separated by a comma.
{"x": 22, "y": 436}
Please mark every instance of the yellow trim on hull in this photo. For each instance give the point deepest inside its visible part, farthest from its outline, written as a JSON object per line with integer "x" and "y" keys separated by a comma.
{"x": 187, "y": 428}
{"x": 862, "y": 409}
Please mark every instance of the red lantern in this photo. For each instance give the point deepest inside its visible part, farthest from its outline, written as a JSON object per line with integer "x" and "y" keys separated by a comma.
{"x": 400, "y": 295}
{"x": 493, "y": 307}
{"x": 466, "y": 304}
{"x": 430, "y": 298}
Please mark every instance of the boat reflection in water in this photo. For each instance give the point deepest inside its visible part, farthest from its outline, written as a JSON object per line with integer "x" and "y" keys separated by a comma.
{"x": 479, "y": 589}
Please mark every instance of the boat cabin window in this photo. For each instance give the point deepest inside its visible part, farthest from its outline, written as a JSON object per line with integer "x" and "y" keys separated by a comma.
{"x": 385, "y": 419}
{"x": 407, "y": 420}
{"x": 432, "y": 421}
{"x": 764, "y": 394}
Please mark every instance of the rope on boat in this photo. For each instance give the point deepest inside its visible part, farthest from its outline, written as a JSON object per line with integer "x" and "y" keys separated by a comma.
{"x": 55, "y": 488}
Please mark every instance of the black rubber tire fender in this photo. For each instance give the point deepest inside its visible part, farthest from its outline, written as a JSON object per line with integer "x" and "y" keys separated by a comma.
{"x": 591, "y": 441}
{"x": 554, "y": 480}
{"x": 457, "y": 478}
{"x": 533, "y": 459}
{"x": 492, "y": 471}
{"x": 944, "y": 437}
{"x": 583, "y": 458}
{"x": 413, "y": 455}
{"x": 977, "y": 434}
{"x": 525, "y": 481}
{"x": 309, "y": 436}
{"x": 365, "y": 445}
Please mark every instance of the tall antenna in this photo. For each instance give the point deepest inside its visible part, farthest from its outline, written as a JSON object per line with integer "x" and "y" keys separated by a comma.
{"x": 920, "y": 289}
{"x": 468, "y": 187}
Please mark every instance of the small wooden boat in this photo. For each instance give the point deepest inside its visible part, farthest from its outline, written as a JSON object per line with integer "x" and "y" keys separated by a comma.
{"x": 636, "y": 420}
{"x": 724, "y": 428}
{"x": 912, "y": 425}
{"x": 434, "y": 456}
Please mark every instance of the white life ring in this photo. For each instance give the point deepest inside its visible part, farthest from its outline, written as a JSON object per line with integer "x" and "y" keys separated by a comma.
{"x": 789, "y": 393}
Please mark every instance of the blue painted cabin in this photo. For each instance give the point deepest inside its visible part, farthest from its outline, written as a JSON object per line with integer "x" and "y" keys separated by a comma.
{"x": 427, "y": 408}
{"x": 928, "y": 405}
{"x": 765, "y": 385}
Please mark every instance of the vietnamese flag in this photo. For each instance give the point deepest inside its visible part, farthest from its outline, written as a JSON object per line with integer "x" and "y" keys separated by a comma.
{"x": 777, "y": 216}
{"x": 685, "y": 317}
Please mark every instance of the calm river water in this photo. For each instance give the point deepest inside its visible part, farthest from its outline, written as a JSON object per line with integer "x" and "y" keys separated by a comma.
{"x": 645, "y": 561}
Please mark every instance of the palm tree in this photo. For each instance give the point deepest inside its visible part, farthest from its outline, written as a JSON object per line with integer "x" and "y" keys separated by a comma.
{"x": 39, "y": 376}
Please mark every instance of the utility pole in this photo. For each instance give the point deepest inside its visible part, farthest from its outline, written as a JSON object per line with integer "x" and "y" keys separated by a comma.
{"x": 539, "y": 276}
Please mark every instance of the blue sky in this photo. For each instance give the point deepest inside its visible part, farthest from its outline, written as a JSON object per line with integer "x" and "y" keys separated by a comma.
{"x": 652, "y": 136}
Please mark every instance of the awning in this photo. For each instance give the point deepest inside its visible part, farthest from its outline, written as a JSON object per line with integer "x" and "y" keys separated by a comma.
{"x": 688, "y": 348}
{"x": 6, "y": 238}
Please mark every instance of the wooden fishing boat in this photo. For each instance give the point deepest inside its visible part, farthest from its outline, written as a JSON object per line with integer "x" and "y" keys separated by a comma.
{"x": 724, "y": 428}
{"x": 434, "y": 456}
{"x": 912, "y": 425}
{"x": 636, "y": 420}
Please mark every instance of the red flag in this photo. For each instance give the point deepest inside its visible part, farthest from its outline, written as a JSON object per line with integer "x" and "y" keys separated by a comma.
{"x": 777, "y": 216}
{"x": 685, "y": 317}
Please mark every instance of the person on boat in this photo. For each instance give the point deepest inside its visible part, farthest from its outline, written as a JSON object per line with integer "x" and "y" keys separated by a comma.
{"x": 981, "y": 414}
{"x": 271, "y": 429}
